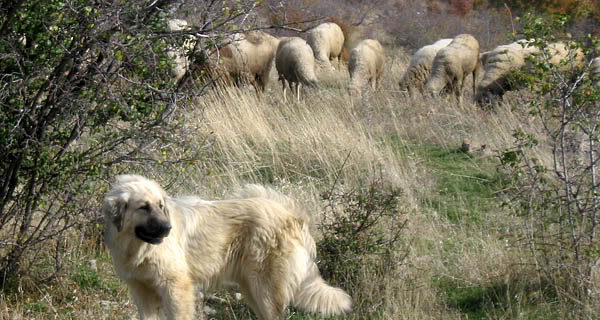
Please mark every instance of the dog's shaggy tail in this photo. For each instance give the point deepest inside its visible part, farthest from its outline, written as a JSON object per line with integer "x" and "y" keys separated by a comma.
{"x": 316, "y": 296}
{"x": 310, "y": 291}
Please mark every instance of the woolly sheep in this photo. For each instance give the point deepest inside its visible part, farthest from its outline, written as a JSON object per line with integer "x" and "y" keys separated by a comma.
{"x": 249, "y": 57}
{"x": 327, "y": 42}
{"x": 178, "y": 54}
{"x": 452, "y": 64}
{"x": 209, "y": 68}
{"x": 366, "y": 64}
{"x": 246, "y": 58}
{"x": 420, "y": 65}
{"x": 500, "y": 63}
{"x": 559, "y": 51}
{"x": 295, "y": 64}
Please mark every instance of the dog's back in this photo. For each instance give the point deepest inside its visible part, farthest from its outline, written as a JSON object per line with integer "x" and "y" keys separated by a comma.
{"x": 260, "y": 191}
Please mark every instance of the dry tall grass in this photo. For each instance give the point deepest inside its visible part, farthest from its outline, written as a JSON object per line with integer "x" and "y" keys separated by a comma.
{"x": 327, "y": 138}
{"x": 306, "y": 146}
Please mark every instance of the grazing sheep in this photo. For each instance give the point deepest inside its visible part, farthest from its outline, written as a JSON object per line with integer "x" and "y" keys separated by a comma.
{"x": 499, "y": 63}
{"x": 249, "y": 57}
{"x": 327, "y": 42}
{"x": 245, "y": 59}
{"x": 559, "y": 51}
{"x": 366, "y": 64}
{"x": 295, "y": 64}
{"x": 420, "y": 65}
{"x": 503, "y": 61}
{"x": 207, "y": 68}
{"x": 452, "y": 65}
{"x": 179, "y": 54}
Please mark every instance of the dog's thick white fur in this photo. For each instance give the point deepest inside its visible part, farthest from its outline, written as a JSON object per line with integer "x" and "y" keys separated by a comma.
{"x": 163, "y": 247}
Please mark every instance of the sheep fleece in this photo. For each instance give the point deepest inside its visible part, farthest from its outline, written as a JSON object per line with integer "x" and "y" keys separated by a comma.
{"x": 249, "y": 58}
{"x": 504, "y": 60}
{"x": 178, "y": 54}
{"x": 420, "y": 66}
{"x": 327, "y": 42}
{"x": 453, "y": 64}
{"x": 595, "y": 70}
{"x": 366, "y": 64}
{"x": 295, "y": 63}
{"x": 501, "y": 62}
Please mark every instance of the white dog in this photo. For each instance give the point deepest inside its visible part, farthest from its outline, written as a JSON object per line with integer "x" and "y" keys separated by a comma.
{"x": 162, "y": 247}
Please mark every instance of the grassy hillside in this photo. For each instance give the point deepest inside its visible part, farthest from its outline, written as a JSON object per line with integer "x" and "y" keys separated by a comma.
{"x": 455, "y": 258}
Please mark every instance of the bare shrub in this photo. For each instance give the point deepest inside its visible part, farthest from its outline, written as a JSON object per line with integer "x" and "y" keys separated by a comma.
{"x": 84, "y": 93}
{"x": 362, "y": 226}
{"x": 414, "y": 24}
{"x": 558, "y": 198}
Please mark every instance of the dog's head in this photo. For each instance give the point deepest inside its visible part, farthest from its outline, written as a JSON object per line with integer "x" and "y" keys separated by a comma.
{"x": 137, "y": 206}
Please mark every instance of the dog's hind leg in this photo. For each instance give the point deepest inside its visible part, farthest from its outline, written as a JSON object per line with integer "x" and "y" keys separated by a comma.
{"x": 265, "y": 296}
{"x": 247, "y": 294}
{"x": 270, "y": 285}
{"x": 146, "y": 299}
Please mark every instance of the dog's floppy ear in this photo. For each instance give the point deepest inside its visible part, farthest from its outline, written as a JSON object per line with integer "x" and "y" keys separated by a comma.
{"x": 114, "y": 207}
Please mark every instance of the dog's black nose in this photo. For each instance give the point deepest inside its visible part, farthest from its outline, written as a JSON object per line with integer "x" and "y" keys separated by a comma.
{"x": 158, "y": 227}
{"x": 153, "y": 231}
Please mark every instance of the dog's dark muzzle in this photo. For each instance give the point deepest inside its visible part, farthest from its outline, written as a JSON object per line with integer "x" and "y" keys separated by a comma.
{"x": 154, "y": 231}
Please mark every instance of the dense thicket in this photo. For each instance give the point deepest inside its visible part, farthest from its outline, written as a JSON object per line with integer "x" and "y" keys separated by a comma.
{"x": 85, "y": 87}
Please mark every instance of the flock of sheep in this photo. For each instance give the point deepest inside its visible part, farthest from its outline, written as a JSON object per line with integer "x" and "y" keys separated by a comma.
{"x": 249, "y": 57}
{"x": 441, "y": 67}
{"x": 446, "y": 63}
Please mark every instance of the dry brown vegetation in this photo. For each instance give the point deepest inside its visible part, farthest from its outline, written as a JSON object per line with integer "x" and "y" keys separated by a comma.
{"x": 457, "y": 256}
{"x": 304, "y": 148}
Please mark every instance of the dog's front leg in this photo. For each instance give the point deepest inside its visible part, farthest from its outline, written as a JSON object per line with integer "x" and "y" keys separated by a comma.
{"x": 179, "y": 300}
{"x": 146, "y": 299}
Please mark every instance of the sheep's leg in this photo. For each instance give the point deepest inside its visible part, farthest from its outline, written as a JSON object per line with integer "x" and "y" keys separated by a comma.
{"x": 458, "y": 90}
{"x": 298, "y": 85}
{"x": 258, "y": 85}
{"x": 475, "y": 81}
{"x": 283, "y": 87}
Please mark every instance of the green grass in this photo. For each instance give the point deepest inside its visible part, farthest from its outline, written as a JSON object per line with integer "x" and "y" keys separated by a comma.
{"x": 87, "y": 278}
{"x": 37, "y": 307}
{"x": 465, "y": 184}
{"x": 464, "y": 187}
{"x": 474, "y": 301}
{"x": 521, "y": 298}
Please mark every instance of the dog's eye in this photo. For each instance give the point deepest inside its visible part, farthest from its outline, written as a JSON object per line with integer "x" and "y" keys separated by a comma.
{"x": 145, "y": 207}
{"x": 160, "y": 205}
